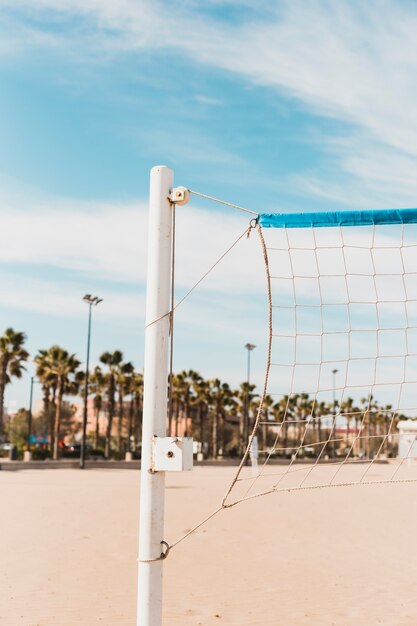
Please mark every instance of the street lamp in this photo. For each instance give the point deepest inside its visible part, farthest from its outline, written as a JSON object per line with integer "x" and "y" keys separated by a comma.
{"x": 334, "y": 372}
{"x": 91, "y": 301}
{"x": 30, "y": 413}
{"x": 32, "y": 382}
{"x": 249, "y": 347}
{"x": 27, "y": 455}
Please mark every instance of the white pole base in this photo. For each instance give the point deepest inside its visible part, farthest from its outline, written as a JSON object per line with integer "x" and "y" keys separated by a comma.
{"x": 27, "y": 456}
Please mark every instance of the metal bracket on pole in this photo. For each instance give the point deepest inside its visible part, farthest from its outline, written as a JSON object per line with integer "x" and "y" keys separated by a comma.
{"x": 179, "y": 195}
{"x": 172, "y": 454}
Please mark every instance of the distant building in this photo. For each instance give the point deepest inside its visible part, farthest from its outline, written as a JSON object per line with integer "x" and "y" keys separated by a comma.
{"x": 91, "y": 415}
{"x": 407, "y": 444}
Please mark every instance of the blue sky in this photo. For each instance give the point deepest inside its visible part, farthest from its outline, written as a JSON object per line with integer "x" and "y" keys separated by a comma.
{"x": 290, "y": 106}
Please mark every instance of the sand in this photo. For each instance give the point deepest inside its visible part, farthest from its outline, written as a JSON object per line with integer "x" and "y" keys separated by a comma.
{"x": 327, "y": 557}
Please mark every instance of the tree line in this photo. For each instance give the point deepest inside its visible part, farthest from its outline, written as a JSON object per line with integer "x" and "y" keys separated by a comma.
{"x": 59, "y": 374}
{"x": 211, "y": 411}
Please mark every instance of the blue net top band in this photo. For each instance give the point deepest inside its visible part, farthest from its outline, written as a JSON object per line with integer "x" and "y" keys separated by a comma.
{"x": 338, "y": 218}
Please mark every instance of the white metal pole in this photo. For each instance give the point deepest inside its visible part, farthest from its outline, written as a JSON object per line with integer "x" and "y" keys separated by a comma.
{"x": 151, "y": 524}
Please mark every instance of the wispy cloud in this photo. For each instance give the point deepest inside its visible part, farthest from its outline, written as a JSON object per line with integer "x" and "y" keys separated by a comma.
{"x": 208, "y": 100}
{"x": 97, "y": 241}
{"x": 347, "y": 61}
{"x": 58, "y": 299}
{"x": 106, "y": 243}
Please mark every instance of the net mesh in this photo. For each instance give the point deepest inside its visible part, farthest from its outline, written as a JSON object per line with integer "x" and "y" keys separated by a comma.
{"x": 342, "y": 363}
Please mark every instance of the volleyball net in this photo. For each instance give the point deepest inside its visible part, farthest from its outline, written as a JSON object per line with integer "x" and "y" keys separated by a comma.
{"x": 341, "y": 372}
{"x": 338, "y": 399}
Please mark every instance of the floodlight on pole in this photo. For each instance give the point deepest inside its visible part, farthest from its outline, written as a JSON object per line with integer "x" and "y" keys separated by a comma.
{"x": 334, "y": 372}
{"x": 91, "y": 301}
{"x": 249, "y": 347}
{"x": 29, "y": 432}
{"x": 32, "y": 380}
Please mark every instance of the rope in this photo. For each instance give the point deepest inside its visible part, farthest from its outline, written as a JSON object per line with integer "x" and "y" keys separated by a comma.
{"x": 170, "y": 313}
{"x": 260, "y": 409}
{"x": 325, "y": 466}
{"x": 196, "y": 527}
{"x": 171, "y": 326}
{"x": 267, "y": 369}
{"x": 162, "y": 556}
{"x": 234, "y": 206}
{"x": 326, "y": 486}
{"x": 245, "y": 232}
{"x": 283, "y": 489}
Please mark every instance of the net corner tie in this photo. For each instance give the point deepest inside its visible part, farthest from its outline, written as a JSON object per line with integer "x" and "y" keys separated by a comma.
{"x": 164, "y": 553}
{"x": 252, "y": 224}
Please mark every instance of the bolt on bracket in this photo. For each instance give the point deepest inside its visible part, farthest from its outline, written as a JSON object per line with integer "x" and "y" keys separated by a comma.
{"x": 172, "y": 454}
{"x": 179, "y": 195}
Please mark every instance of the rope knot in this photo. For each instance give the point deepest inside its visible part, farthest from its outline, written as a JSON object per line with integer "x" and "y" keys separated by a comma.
{"x": 252, "y": 224}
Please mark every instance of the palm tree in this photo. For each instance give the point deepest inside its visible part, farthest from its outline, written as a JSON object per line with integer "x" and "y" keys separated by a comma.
{"x": 97, "y": 387}
{"x": 43, "y": 374}
{"x": 12, "y": 357}
{"x": 49, "y": 384}
{"x": 222, "y": 400}
{"x": 320, "y": 409}
{"x": 191, "y": 378}
{"x": 357, "y": 432}
{"x": 182, "y": 395}
{"x": 113, "y": 361}
{"x": 45, "y": 379}
{"x": 366, "y": 423}
{"x": 346, "y": 409}
{"x": 128, "y": 391}
{"x": 123, "y": 372}
{"x": 304, "y": 409}
{"x": 281, "y": 411}
{"x": 177, "y": 402}
{"x": 245, "y": 397}
{"x": 201, "y": 400}
{"x": 61, "y": 367}
{"x": 136, "y": 406}
{"x": 389, "y": 425}
{"x": 267, "y": 406}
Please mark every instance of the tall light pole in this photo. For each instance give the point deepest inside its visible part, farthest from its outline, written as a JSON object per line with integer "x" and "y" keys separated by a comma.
{"x": 334, "y": 372}
{"x": 91, "y": 301}
{"x": 249, "y": 347}
{"x": 32, "y": 380}
{"x": 27, "y": 455}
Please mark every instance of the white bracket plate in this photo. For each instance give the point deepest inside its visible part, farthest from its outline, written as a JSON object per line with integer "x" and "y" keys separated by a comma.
{"x": 172, "y": 454}
{"x": 179, "y": 195}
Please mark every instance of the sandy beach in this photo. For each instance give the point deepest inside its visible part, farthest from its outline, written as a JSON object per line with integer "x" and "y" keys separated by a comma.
{"x": 321, "y": 557}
